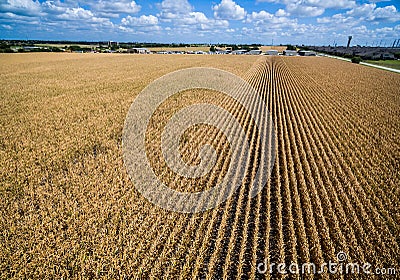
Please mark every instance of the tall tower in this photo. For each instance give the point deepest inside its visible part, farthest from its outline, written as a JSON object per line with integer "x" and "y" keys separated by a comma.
{"x": 348, "y": 43}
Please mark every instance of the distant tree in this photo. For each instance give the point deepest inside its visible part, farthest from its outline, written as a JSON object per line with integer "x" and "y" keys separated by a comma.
{"x": 74, "y": 48}
{"x": 397, "y": 55}
{"x": 356, "y": 59}
{"x": 291, "y": 48}
{"x": 213, "y": 49}
{"x": 55, "y": 49}
{"x": 246, "y": 47}
{"x": 6, "y": 50}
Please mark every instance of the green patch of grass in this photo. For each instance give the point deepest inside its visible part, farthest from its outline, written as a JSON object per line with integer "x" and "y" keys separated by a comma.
{"x": 395, "y": 64}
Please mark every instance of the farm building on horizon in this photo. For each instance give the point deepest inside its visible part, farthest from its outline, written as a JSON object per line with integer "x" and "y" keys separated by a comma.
{"x": 238, "y": 52}
{"x": 139, "y": 50}
{"x": 307, "y": 53}
{"x": 255, "y": 52}
{"x": 272, "y": 52}
{"x": 290, "y": 53}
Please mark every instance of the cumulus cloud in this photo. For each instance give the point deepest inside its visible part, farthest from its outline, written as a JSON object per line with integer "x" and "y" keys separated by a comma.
{"x": 76, "y": 14}
{"x": 140, "y": 21}
{"x": 339, "y": 19}
{"x": 327, "y": 4}
{"x": 200, "y": 21}
{"x": 229, "y": 10}
{"x": 388, "y": 13}
{"x": 311, "y": 8}
{"x": 365, "y": 13}
{"x": 179, "y": 20}
{"x": 172, "y": 9}
{"x": 263, "y": 18}
{"x": 6, "y": 26}
{"x": 370, "y": 12}
{"x": 364, "y": 10}
{"x": 140, "y": 24}
{"x": 185, "y": 19}
{"x": 281, "y": 13}
{"x": 332, "y": 4}
{"x": 21, "y": 7}
{"x": 118, "y": 6}
{"x": 304, "y": 10}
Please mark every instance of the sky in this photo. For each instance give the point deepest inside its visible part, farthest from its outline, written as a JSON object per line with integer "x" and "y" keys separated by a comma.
{"x": 309, "y": 22}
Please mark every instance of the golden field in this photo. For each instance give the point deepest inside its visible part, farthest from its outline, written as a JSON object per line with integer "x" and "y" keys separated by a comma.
{"x": 69, "y": 210}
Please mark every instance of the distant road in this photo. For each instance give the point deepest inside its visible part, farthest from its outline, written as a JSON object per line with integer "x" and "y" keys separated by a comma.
{"x": 380, "y": 67}
{"x": 364, "y": 63}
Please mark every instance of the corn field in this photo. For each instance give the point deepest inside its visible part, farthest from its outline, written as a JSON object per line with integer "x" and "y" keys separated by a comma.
{"x": 68, "y": 208}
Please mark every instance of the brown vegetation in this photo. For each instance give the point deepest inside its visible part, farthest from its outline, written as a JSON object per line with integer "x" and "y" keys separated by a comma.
{"x": 68, "y": 208}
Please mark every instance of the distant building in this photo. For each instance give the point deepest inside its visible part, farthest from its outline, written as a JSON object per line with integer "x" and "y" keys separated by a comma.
{"x": 365, "y": 52}
{"x": 388, "y": 56}
{"x": 31, "y": 48}
{"x": 290, "y": 53}
{"x": 272, "y": 52}
{"x": 112, "y": 44}
{"x": 139, "y": 50}
{"x": 238, "y": 52}
{"x": 255, "y": 52}
{"x": 307, "y": 53}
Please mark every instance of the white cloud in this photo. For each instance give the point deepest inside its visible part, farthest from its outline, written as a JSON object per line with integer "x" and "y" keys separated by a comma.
{"x": 311, "y": 8}
{"x": 281, "y": 13}
{"x": 179, "y": 20}
{"x": 259, "y": 16}
{"x": 173, "y": 9}
{"x": 76, "y": 14}
{"x": 184, "y": 20}
{"x": 327, "y": 4}
{"x": 53, "y": 7}
{"x": 388, "y": 13}
{"x": 196, "y": 17}
{"x": 6, "y": 26}
{"x": 229, "y": 10}
{"x": 339, "y": 19}
{"x": 214, "y": 25}
{"x": 263, "y": 18}
{"x": 384, "y": 30}
{"x": 199, "y": 21}
{"x": 21, "y": 7}
{"x": 369, "y": 12}
{"x": 361, "y": 14}
{"x": 128, "y": 7}
{"x": 140, "y": 21}
{"x": 10, "y": 17}
{"x": 304, "y": 10}
{"x": 140, "y": 24}
{"x": 364, "y": 10}
{"x": 332, "y": 4}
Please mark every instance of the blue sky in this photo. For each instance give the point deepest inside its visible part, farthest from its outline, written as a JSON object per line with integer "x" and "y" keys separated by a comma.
{"x": 316, "y": 22}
